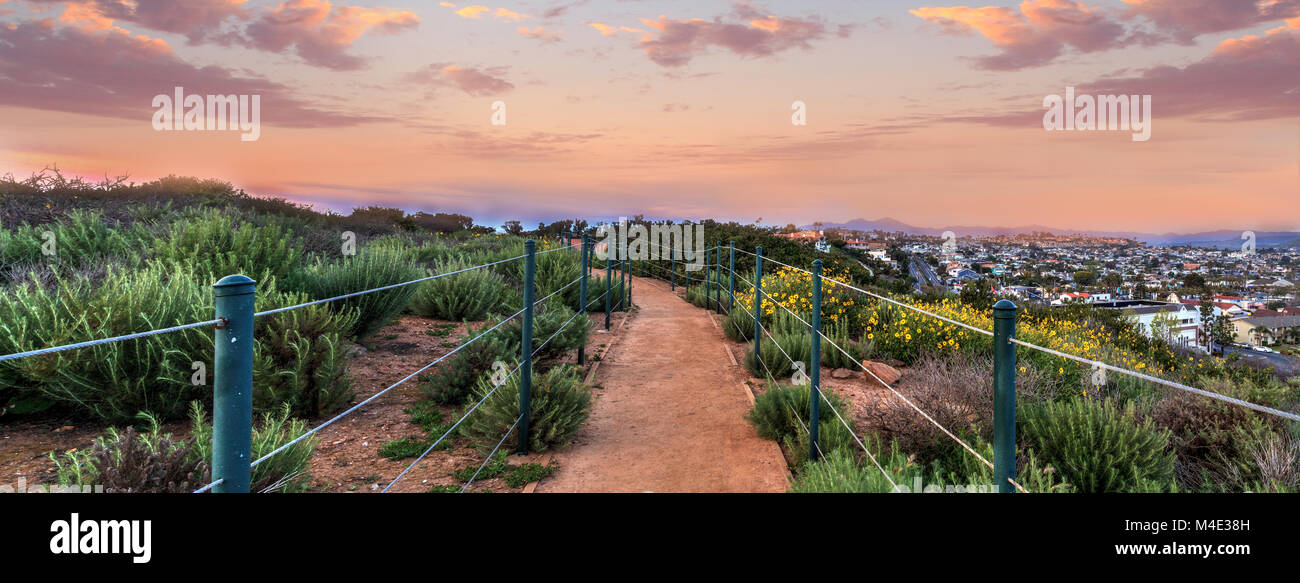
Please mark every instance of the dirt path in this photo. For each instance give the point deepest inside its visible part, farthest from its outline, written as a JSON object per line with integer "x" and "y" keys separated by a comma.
{"x": 669, "y": 415}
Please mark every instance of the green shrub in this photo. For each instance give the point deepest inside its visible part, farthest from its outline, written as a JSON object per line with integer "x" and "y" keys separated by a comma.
{"x": 695, "y": 295}
{"x": 471, "y": 295}
{"x": 152, "y": 461}
{"x": 739, "y": 325}
{"x": 78, "y": 238}
{"x": 559, "y": 404}
{"x": 129, "y": 461}
{"x": 297, "y": 354}
{"x": 286, "y": 471}
{"x": 553, "y": 271}
{"x": 493, "y": 468}
{"x": 1098, "y": 446}
{"x": 781, "y": 413}
{"x": 453, "y": 380}
{"x": 569, "y": 331}
{"x": 841, "y": 471}
{"x": 212, "y": 243}
{"x": 406, "y": 447}
{"x": 1032, "y": 473}
{"x": 112, "y": 381}
{"x": 596, "y": 294}
{"x": 523, "y": 474}
{"x": 368, "y": 269}
{"x": 777, "y": 356}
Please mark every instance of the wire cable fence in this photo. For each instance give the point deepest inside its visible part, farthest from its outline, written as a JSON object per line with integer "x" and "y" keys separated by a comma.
{"x": 714, "y": 274}
{"x": 233, "y": 353}
{"x": 1076, "y": 358}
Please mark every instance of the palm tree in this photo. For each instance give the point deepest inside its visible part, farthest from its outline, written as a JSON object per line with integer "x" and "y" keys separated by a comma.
{"x": 1259, "y": 332}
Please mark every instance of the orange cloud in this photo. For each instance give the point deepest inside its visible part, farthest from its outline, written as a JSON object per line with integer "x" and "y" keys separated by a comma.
{"x": 1033, "y": 35}
{"x": 472, "y": 11}
{"x": 478, "y": 10}
{"x": 540, "y": 33}
{"x": 504, "y": 14}
{"x": 473, "y": 81}
{"x": 321, "y": 34}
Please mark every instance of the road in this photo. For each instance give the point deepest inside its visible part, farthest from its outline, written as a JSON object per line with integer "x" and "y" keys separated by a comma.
{"x": 1284, "y": 365}
{"x": 923, "y": 273}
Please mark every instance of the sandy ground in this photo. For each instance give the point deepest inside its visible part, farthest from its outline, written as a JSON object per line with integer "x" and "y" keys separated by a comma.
{"x": 669, "y": 413}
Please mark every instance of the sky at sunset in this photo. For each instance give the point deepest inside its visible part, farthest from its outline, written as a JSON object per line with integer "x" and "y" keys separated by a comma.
{"x": 930, "y": 113}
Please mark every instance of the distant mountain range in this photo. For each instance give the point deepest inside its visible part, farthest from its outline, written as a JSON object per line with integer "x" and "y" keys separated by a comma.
{"x": 1222, "y": 239}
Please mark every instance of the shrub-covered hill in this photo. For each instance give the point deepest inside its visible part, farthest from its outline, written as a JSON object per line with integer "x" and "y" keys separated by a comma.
{"x": 82, "y": 261}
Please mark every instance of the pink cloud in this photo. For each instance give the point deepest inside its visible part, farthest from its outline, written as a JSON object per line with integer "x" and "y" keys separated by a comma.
{"x": 1244, "y": 79}
{"x": 1187, "y": 19}
{"x": 473, "y": 81}
{"x": 540, "y": 34}
{"x": 676, "y": 41}
{"x": 321, "y": 34}
{"x": 198, "y": 20}
{"x": 112, "y": 74}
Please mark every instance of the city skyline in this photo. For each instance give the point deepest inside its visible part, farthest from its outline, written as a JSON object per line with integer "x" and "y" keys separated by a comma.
{"x": 927, "y": 112}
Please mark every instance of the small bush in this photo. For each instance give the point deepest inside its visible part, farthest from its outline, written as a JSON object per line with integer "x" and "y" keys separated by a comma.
{"x": 286, "y": 471}
{"x": 559, "y": 405}
{"x": 596, "y": 294}
{"x": 212, "y": 244}
{"x": 299, "y": 357}
{"x": 78, "y": 238}
{"x": 781, "y": 414}
{"x": 1098, "y": 446}
{"x": 524, "y": 474}
{"x": 368, "y": 269}
{"x": 957, "y": 393}
{"x": 776, "y": 357}
{"x": 111, "y": 381}
{"x": 842, "y": 472}
{"x": 406, "y": 447}
{"x": 471, "y": 295}
{"x": 556, "y": 320}
{"x": 125, "y": 462}
{"x": 555, "y": 270}
{"x": 453, "y": 380}
{"x": 739, "y": 325}
{"x": 493, "y": 468}
{"x": 297, "y": 354}
{"x": 1215, "y": 441}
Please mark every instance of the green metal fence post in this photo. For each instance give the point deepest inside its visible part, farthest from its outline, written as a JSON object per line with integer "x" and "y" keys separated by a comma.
{"x": 627, "y": 285}
{"x": 758, "y": 304}
{"x": 526, "y": 348}
{"x": 715, "y": 283}
{"x": 609, "y": 288}
{"x": 232, "y": 383}
{"x": 1004, "y": 395}
{"x": 731, "y": 287}
{"x": 672, "y": 268}
{"x": 815, "y": 363}
{"x": 582, "y": 297}
{"x": 709, "y": 285}
{"x": 686, "y": 272}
